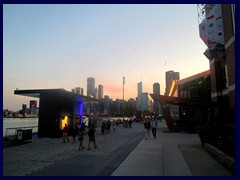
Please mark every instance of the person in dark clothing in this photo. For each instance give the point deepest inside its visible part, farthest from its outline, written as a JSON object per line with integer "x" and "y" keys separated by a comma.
{"x": 154, "y": 127}
{"x": 147, "y": 127}
{"x": 103, "y": 128}
{"x": 81, "y": 130}
{"x": 65, "y": 133}
{"x": 91, "y": 135}
{"x": 74, "y": 132}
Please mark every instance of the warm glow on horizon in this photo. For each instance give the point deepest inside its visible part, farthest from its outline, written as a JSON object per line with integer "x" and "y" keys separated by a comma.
{"x": 140, "y": 44}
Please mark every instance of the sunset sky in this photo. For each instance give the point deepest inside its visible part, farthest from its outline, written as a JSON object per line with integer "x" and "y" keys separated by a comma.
{"x": 60, "y": 46}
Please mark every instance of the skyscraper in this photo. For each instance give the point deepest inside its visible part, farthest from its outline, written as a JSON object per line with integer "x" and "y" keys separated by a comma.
{"x": 170, "y": 76}
{"x": 78, "y": 90}
{"x": 156, "y": 90}
{"x": 106, "y": 104}
{"x": 100, "y": 92}
{"x": 33, "y": 106}
{"x": 139, "y": 97}
{"x": 139, "y": 85}
{"x": 145, "y": 102}
{"x": 91, "y": 87}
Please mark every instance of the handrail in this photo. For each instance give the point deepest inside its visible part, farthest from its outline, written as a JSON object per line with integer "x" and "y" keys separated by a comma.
{"x": 16, "y": 128}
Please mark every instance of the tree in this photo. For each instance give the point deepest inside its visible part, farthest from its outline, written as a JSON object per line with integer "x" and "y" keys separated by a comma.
{"x": 129, "y": 110}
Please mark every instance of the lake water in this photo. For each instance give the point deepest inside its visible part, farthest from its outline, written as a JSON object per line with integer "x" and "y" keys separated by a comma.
{"x": 26, "y": 122}
{"x": 18, "y": 122}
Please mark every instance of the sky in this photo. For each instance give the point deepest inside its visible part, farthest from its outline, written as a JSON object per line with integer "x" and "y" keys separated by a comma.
{"x": 60, "y": 46}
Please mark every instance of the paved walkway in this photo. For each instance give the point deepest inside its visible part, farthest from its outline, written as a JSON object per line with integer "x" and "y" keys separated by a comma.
{"x": 170, "y": 154}
{"x": 51, "y": 157}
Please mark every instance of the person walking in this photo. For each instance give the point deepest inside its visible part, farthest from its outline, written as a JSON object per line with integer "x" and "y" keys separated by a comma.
{"x": 81, "y": 130}
{"x": 154, "y": 126}
{"x": 108, "y": 126}
{"x": 91, "y": 135}
{"x": 103, "y": 126}
{"x": 65, "y": 133}
{"x": 74, "y": 132}
{"x": 113, "y": 125}
{"x": 147, "y": 127}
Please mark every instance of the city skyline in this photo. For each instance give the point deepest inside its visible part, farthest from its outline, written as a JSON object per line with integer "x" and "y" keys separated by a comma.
{"x": 60, "y": 46}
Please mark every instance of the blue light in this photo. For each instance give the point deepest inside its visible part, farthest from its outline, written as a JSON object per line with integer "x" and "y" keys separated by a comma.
{"x": 80, "y": 106}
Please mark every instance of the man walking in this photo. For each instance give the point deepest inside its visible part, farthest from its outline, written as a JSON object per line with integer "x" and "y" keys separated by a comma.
{"x": 154, "y": 127}
{"x": 147, "y": 127}
{"x": 91, "y": 137}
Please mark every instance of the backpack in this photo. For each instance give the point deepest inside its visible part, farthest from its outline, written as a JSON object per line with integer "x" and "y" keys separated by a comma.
{"x": 154, "y": 124}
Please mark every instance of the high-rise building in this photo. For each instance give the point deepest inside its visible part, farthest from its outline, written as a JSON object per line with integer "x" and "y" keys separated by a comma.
{"x": 78, "y": 90}
{"x": 91, "y": 87}
{"x": 100, "y": 99}
{"x": 24, "y": 108}
{"x": 100, "y": 92}
{"x": 139, "y": 96}
{"x": 106, "y": 104}
{"x": 156, "y": 88}
{"x": 156, "y": 91}
{"x": 33, "y": 107}
{"x": 170, "y": 76}
{"x": 145, "y": 102}
{"x": 139, "y": 86}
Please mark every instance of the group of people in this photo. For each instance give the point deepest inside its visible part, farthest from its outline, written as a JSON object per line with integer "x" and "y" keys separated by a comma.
{"x": 148, "y": 125}
{"x": 79, "y": 129}
{"x": 127, "y": 123}
{"x": 106, "y": 126}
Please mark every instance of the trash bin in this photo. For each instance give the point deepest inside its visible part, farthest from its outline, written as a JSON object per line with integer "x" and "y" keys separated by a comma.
{"x": 25, "y": 135}
{"x": 28, "y": 134}
{"x": 20, "y": 134}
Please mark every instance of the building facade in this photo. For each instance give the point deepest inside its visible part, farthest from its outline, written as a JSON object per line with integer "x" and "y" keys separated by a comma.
{"x": 195, "y": 87}
{"x": 217, "y": 30}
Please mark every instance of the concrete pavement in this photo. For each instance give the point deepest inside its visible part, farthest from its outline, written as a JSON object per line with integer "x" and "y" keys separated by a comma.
{"x": 170, "y": 154}
{"x": 52, "y": 157}
{"x": 121, "y": 153}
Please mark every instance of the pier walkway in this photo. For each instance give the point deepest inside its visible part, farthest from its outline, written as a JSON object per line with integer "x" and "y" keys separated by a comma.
{"x": 124, "y": 152}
